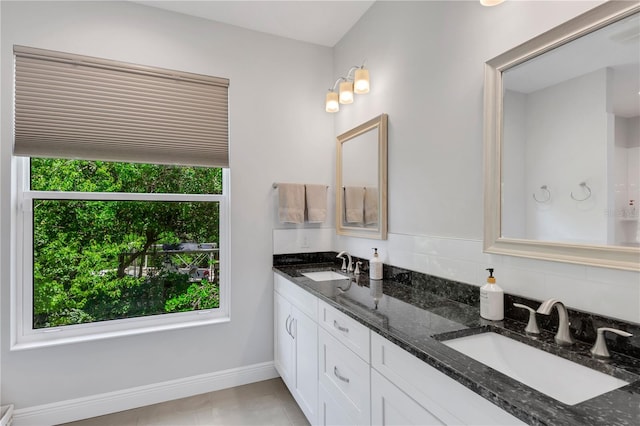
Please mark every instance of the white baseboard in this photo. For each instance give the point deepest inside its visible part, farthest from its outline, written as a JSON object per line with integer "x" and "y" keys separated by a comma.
{"x": 6, "y": 415}
{"x": 112, "y": 402}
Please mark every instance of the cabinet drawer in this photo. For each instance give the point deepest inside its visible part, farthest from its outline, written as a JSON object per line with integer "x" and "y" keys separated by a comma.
{"x": 332, "y": 412}
{"x": 348, "y": 331}
{"x": 392, "y": 407}
{"x": 345, "y": 376}
{"x": 448, "y": 400}
{"x": 302, "y": 299}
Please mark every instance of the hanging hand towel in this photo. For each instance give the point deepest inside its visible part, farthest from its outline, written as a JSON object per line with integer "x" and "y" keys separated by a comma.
{"x": 370, "y": 205}
{"x": 354, "y": 204}
{"x": 291, "y": 207}
{"x": 316, "y": 202}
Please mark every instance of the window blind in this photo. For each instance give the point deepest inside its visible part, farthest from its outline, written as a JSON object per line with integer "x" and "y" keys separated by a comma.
{"x": 72, "y": 106}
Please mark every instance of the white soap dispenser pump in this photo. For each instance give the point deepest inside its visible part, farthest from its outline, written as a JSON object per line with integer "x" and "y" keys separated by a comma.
{"x": 491, "y": 299}
{"x": 375, "y": 266}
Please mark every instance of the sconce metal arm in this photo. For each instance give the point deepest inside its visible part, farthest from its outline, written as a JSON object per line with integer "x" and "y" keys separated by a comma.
{"x": 333, "y": 88}
{"x": 349, "y": 76}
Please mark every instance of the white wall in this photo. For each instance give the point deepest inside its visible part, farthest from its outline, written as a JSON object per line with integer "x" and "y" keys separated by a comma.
{"x": 277, "y": 134}
{"x": 1, "y": 215}
{"x": 426, "y": 64}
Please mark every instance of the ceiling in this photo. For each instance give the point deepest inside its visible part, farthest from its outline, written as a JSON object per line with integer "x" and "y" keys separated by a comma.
{"x": 321, "y": 22}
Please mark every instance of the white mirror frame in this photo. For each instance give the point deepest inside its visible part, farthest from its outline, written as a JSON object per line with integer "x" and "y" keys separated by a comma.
{"x": 379, "y": 232}
{"x": 618, "y": 257}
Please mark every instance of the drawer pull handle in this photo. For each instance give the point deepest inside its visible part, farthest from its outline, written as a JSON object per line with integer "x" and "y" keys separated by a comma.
{"x": 343, "y": 329}
{"x": 335, "y": 372}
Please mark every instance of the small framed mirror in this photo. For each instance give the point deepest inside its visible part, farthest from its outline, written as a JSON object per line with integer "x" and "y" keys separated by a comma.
{"x": 361, "y": 180}
{"x": 562, "y": 151}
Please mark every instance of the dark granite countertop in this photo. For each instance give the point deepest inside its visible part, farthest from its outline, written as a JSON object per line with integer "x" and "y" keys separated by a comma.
{"x": 418, "y": 320}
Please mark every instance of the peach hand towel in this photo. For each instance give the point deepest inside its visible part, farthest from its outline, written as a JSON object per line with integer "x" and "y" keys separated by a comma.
{"x": 370, "y": 205}
{"x": 354, "y": 204}
{"x": 291, "y": 202}
{"x": 316, "y": 203}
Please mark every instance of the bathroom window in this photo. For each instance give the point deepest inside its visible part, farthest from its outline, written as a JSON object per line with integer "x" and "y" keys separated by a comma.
{"x": 121, "y": 203}
{"x": 118, "y": 247}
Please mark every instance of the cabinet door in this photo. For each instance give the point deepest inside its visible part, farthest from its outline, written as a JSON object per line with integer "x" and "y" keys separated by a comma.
{"x": 391, "y": 406}
{"x": 305, "y": 332}
{"x": 284, "y": 355}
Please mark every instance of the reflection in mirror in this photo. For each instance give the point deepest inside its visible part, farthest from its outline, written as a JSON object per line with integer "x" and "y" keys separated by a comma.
{"x": 562, "y": 142}
{"x": 571, "y": 123}
{"x": 361, "y": 180}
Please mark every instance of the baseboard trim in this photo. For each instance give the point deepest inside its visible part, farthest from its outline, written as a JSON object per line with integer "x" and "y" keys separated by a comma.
{"x": 6, "y": 415}
{"x": 126, "y": 399}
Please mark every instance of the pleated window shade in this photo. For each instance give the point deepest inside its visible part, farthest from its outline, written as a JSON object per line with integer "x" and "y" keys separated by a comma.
{"x": 72, "y": 106}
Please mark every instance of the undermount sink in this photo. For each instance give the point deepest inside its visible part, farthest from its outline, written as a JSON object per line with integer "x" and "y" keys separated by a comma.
{"x": 559, "y": 378}
{"x": 325, "y": 276}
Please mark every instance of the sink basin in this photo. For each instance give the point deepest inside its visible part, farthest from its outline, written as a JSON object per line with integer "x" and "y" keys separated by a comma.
{"x": 325, "y": 276}
{"x": 559, "y": 378}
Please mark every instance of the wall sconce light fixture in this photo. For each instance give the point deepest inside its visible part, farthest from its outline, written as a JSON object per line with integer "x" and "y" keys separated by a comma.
{"x": 490, "y": 2}
{"x": 356, "y": 81}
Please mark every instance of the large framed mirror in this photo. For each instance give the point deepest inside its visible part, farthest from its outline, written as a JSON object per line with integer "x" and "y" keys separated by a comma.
{"x": 361, "y": 180}
{"x": 562, "y": 142}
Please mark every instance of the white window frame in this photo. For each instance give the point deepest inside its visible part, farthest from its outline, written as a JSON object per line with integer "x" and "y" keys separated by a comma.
{"x": 23, "y": 336}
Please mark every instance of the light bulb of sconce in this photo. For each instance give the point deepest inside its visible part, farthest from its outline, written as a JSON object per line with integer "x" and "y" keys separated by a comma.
{"x": 490, "y": 3}
{"x": 346, "y": 92}
{"x": 361, "y": 81}
{"x": 331, "y": 103}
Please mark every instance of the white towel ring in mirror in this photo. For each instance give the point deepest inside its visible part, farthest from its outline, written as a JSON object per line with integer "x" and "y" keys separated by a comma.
{"x": 545, "y": 197}
{"x": 586, "y": 190}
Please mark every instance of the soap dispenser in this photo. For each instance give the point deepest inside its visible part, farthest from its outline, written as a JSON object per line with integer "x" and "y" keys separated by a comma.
{"x": 491, "y": 299}
{"x": 375, "y": 266}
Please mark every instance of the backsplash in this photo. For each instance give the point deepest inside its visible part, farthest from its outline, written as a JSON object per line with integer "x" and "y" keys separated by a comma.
{"x": 607, "y": 292}
{"x": 583, "y": 325}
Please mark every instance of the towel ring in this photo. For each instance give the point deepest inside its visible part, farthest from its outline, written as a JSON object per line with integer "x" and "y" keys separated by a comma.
{"x": 586, "y": 188}
{"x": 545, "y": 188}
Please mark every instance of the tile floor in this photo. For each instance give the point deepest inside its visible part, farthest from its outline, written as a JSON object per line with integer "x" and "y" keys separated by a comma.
{"x": 262, "y": 403}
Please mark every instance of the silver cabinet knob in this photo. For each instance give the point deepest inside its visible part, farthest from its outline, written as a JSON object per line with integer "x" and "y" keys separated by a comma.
{"x": 599, "y": 349}
{"x": 532, "y": 326}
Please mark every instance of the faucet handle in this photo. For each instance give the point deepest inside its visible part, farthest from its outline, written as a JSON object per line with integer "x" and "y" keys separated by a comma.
{"x": 358, "y": 265}
{"x": 532, "y": 326}
{"x": 344, "y": 263}
{"x": 599, "y": 349}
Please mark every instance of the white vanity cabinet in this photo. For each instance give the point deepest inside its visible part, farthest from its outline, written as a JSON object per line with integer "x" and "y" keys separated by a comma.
{"x": 342, "y": 373}
{"x": 296, "y": 343}
{"x": 409, "y": 391}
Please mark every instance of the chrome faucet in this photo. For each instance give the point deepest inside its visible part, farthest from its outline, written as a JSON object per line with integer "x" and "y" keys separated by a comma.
{"x": 563, "y": 336}
{"x": 341, "y": 256}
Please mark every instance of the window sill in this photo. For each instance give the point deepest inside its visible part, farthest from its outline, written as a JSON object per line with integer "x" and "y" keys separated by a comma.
{"x": 129, "y": 327}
